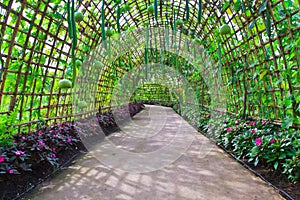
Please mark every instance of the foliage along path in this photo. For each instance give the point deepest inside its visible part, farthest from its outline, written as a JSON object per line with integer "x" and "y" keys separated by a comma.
{"x": 203, "y": 171}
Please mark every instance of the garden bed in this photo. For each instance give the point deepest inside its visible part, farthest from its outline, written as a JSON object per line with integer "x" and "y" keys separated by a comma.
{"x": 111, "y": 120}
{"x": 277, "y": 180}
{"x": 33, "y": 157}
{"x": 268, "y": 150}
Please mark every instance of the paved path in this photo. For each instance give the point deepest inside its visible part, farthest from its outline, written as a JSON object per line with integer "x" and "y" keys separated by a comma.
{"x": 202, "y": 171}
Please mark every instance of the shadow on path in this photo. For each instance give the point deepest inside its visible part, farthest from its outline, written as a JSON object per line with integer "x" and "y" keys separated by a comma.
{"x": 203, "y": 171}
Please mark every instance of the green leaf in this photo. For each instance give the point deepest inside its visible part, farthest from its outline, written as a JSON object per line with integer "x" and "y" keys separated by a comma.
{"x": 263, "y": 7}
{"x": 57, "y": 15}
{"x": 225, "y": 6}
{"x": 262, "y": 75}
{"x": 256, "y": 161}
{"x": 282, "y": 156}
{"x": 55, "y": 1}
{"x": 237, "y": 5}
{"x": 268, "y": 23}
{"x": 276, "y": 165}
{"x": 254, "y": 75}
{"x": 288, "y": 103}
{"x": 252, "y": 24}
{"x": 288, "y": 122}
{"x": 243, "y": 6}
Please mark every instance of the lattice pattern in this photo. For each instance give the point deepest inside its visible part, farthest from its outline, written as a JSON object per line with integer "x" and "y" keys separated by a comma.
{"x": 36, "y": 52}
{"x": 154, "y": 92}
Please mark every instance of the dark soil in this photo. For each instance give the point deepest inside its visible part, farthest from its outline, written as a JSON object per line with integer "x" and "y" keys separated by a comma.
{"x": 279, "y": 180}
{"x": 276, "y": 179}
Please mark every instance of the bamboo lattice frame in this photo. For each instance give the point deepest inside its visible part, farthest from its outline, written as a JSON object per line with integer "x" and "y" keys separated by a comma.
{"x": 36, "y": 53}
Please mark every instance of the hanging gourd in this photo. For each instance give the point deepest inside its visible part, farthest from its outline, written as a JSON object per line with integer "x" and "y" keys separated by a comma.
{"x": 78, "y": 16}
{"x": 109, "y": 33}
{"x": 118, "y": 18}
{"x": 225, "y": 29}
{"x": 268, "y": 22}
{"x": 70, "y": 31}
{"x": 74, "y": 42}
{"x": 187, "y": 8}
{"x": 174, "y": 21}
{"x": 199, "y": 11}
{"x": 196, "y": 40}
{"x": 103, "y": 24}
{"x": 179, "y": 22}
{"x": 150, "y": 9}
{"x": 146, "y": 52}
{"x": 155, "y": 9}
{"x": 78, "y": 63}
{"x": 146, "y": 46}
{"x": 73, "y": 35}
{"x": 64, "y": 83}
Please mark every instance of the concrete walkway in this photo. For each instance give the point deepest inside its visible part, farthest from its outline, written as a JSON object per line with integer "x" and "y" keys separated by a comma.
{"x": 200, "y": 171}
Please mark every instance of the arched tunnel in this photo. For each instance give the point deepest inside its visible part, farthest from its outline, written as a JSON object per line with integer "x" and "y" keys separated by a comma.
{"x": 36, "y": 52}
{"x": 206, "y": 71}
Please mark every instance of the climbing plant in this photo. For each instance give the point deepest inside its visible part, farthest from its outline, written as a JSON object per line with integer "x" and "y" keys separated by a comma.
{"x": 255, "y": 45}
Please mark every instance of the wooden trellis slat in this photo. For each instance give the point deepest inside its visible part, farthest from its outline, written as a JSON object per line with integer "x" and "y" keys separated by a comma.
{"x": 42, "y": 57}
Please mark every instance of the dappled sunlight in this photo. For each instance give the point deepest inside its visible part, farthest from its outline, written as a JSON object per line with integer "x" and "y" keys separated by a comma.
{"x": 192, "y": 176}
{"x": 154, "y": 100}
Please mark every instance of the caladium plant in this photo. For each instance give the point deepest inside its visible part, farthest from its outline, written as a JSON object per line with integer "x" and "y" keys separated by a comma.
{"x": 30, "y": 149}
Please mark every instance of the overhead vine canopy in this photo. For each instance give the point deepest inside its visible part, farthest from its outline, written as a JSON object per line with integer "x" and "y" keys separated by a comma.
{"x": 258, "y": 57}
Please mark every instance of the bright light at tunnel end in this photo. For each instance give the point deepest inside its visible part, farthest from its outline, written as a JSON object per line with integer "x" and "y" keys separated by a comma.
{"x": 120, "y": 156}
